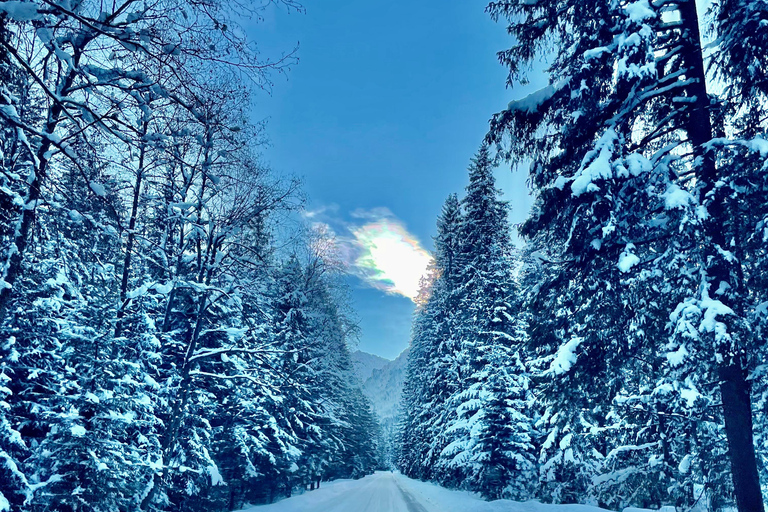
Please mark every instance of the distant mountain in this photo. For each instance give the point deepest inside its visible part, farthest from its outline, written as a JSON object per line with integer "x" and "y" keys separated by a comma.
{"x": 383, "y": 385}
{"x": 366, "y": 363}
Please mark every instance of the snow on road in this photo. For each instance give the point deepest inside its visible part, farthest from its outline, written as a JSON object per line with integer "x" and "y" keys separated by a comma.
{"x": 392, "y": 492}
{"x": 375, "y": 493}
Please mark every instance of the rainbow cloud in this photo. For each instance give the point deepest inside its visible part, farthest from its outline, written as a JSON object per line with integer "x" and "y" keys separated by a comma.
{"x": 391, "y": 259}
{"x": 380, "y": 251}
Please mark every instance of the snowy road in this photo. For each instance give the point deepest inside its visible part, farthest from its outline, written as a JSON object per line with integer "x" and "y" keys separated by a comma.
{"x": 392, "y": 492}
{"x": 379, "y": 492}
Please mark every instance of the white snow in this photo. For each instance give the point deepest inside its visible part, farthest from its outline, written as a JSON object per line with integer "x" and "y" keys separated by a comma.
{"x": 163, "y": 289}
{"x": 675, "y": 197}
{"x": 78, "y": 430}
{"x": 628, "y": 259}
{"x": 713, "y": 308}
{"x": 677, "y": 357}
{"x": 596, "y": 165}
{"x": 758, "y": 145}
{"x": 688, "y": 392}
{"x": 216, "y": 478}
{"x": 532, "y": 103}
{"x": 560, "y": 182}
{"x": 685, "y": 464}
{"x": 375, "y": 493}
{"x": 75, "y": 216}
{"x": 639, "y": 11}
{"x": 566, "y": 356}
{"x": 20, "y": 11}
{"x": 637, "y": 164}
{"x": 393, "y": 492}
{"x": 98, "y": 189}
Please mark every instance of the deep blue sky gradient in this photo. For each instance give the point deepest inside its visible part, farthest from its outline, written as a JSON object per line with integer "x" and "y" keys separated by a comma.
{"x": 388, "y": 103}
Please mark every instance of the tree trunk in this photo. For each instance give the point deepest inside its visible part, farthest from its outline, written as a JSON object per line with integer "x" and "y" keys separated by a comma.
{"x": 124, "y": 300}
{"x": 737, "y": 410}
{"x": 734, "y": 388}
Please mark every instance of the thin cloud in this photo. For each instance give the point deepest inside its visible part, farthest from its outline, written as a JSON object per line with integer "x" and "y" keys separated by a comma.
{"x": 380, "y": 212}
{"x": 320, "y": 212}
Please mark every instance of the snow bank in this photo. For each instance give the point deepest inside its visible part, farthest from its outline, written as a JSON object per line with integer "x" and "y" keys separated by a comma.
{"x": 438, "y": 499}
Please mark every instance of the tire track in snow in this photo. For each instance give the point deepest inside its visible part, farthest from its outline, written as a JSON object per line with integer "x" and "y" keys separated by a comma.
{"x": 410, "y": 501}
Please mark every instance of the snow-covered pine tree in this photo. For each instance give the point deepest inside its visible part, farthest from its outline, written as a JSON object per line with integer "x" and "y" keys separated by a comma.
{"x": 489, "y": 447}
{"x": 294, "y": 338}
{"x": 14, "y": 166}
{"x": 207, "y": 237}
{"x": 127, "y": 319}
{"x": 443, "y": 377}
{"x": 433, "y": 374}
{"x": 741, "y": 30}
{"x": 411, "y": 438}
{"x": 80, "y": 400}
{"x": 627, "y": 166}
{"x": 332, "y": 420}
{"x": 351, "y": 421}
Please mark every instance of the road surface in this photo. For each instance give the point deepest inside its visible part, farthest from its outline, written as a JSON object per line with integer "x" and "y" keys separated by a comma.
{"x": 379, "y": 492}
{"x": 393, "y": 492}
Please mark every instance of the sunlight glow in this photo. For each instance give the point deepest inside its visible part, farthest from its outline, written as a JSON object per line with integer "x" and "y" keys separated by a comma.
{"x": 391, "y": 259}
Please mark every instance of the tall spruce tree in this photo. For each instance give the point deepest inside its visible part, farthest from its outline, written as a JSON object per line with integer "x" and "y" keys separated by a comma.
{"x": 639, "y": 174}
{"x": 489, "y": 443}
{"x": 432, "y": 375}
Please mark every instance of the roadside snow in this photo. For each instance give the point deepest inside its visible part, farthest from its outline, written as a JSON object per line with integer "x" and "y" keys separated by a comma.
{"x": 437, "y": 499}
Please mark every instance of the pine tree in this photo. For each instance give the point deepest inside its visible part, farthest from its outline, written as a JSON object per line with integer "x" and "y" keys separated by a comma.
{"x": 14, "y": 163}
{"x": 629, "y": 178}
{"x": 488, "y": 454}
{"x": 432, "y": 373}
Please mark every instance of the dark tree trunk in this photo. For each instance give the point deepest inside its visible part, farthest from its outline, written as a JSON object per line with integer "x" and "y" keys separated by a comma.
{"x": 124, "y": 301}
{"x": 737, "y": 410}
{"x": 734, "y": 388}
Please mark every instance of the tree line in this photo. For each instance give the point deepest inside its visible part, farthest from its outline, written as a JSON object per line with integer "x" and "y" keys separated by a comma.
{"x": 620, "y": 356}
{"x": 167, "y": 341}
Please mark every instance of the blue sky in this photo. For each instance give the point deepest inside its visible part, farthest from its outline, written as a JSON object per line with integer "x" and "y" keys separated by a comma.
{"x": 381, "y": 115}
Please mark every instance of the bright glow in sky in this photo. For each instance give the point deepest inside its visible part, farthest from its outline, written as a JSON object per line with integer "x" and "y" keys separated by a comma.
{"x": 362, "y": 120}
{"x": 391, "y": 259}
{"x": 375, "y": 247}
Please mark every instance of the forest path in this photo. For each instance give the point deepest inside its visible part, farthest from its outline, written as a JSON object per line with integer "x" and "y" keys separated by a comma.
{"x": 393, "y": 492}
{"x": 379, "y": 492}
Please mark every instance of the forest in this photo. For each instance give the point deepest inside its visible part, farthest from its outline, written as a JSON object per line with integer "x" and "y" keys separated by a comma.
{"x": 172, "y": 338}
{"x": 169, "y": 340}
{"x": 619, "y": 356}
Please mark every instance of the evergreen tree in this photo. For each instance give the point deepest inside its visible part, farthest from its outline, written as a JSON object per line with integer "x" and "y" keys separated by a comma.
{"x": 432, "y": 374}
{"x": 629, "y": 178}
{"x": 489, "y": 454}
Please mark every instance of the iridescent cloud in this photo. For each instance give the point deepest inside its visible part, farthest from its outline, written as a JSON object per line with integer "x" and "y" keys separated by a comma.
{"x": 377, "y": 248}
{"x": 391, "y": 259}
